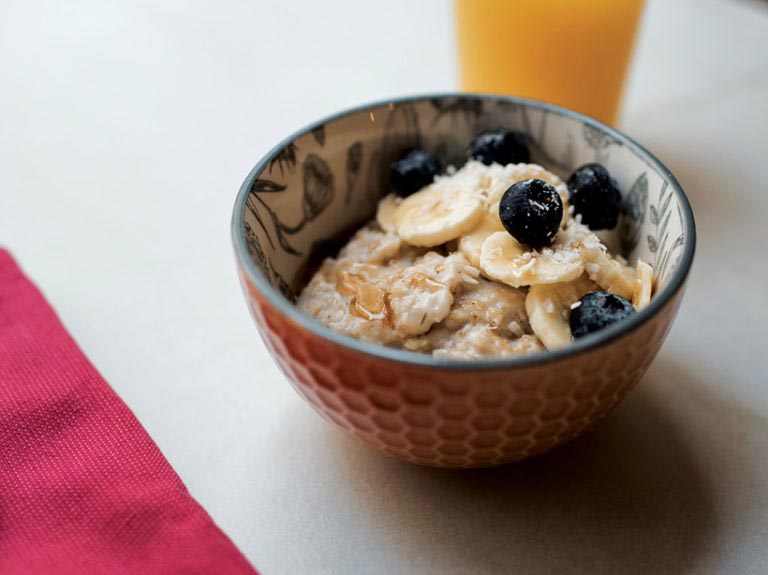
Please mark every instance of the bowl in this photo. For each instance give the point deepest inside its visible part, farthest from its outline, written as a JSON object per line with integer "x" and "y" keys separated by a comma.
{"x": 326, "y": 179}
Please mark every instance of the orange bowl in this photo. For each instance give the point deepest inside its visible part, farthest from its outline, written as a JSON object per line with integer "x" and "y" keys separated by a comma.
{"x": 327, "y": 178}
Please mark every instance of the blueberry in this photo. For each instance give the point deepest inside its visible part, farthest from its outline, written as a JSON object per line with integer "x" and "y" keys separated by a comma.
{"x": 501, "y": 146}
{"x": 594, "y": 196}
{"x": 414, "y": 171}
{"x": 531, "y": 210}
{"x": 597, "y": 310}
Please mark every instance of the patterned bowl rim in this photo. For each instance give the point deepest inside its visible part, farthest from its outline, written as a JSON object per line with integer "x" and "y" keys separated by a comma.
{"x": 582, "y": 345}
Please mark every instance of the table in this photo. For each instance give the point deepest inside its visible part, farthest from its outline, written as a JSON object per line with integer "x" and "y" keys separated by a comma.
{"x": 125, "y": 131}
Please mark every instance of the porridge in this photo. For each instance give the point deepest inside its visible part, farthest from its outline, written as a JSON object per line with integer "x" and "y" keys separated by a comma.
{"x": 499, "y": 258}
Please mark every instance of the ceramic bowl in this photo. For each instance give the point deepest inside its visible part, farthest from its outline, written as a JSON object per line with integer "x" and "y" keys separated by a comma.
{"x": 327, "y": 178}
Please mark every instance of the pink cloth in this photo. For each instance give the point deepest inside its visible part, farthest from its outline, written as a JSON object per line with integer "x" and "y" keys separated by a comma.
{"x": 83, "y": 488}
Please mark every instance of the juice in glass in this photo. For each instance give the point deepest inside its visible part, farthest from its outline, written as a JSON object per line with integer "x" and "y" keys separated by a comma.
{"x": 574, "y": 53}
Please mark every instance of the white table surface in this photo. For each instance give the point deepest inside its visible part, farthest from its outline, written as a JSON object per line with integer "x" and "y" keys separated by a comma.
{"x": 125, "y": 131}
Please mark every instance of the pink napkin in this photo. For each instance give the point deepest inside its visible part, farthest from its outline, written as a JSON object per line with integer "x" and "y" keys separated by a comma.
{"x": 83, "y": 489}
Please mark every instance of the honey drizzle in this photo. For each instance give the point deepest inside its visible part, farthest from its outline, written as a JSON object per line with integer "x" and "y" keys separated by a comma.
{"x": 419, "y": 280}
{"x": 368, "y": 301}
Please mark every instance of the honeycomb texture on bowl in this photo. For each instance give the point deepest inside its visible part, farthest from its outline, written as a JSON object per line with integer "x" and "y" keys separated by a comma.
{"x": 449, "y": 417}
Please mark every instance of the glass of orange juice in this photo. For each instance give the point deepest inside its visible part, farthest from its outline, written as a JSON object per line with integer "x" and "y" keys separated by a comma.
{"x": 574, "y": 53}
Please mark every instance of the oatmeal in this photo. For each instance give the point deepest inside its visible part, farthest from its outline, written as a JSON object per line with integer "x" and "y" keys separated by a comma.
{"x": 487, "y": 261}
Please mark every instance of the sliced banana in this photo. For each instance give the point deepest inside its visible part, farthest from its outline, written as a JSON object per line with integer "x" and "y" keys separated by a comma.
{"x": 437, "y": 214}
{"x": 471, "y": 243}
{"x": 643, "y": 285}
{"x": 503, "y": 258}
{"x": 549, "y": 309}
{"x": 385, "y": 213}
{"x": 610, "y": 274}
{"x": 606, "y": 270}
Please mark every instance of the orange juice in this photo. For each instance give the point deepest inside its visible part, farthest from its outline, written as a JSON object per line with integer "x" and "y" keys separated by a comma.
{"x": 574, "y": 53}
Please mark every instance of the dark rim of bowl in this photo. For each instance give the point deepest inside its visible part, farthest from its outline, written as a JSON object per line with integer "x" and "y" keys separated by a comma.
{"x": 585, "y": 344}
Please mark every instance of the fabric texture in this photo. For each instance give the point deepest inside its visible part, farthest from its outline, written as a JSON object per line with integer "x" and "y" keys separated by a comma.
{"x": 83, "y": 488}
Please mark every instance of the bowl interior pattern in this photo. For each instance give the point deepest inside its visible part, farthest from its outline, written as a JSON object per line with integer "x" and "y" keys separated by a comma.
{"x": 328, "y": 179}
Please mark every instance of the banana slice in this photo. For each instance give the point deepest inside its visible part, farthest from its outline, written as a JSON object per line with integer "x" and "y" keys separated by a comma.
{"x": 549, "y": 308}
{"x": 606, "y": 270}
{"x": 503, "y": 258}
{"x": 437, "y": 214}
{"x": 643, "y": 285}
{"x": 471, "y": 243}
{"x": 610, "y": 274}
{"x": 385, "y": 213}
